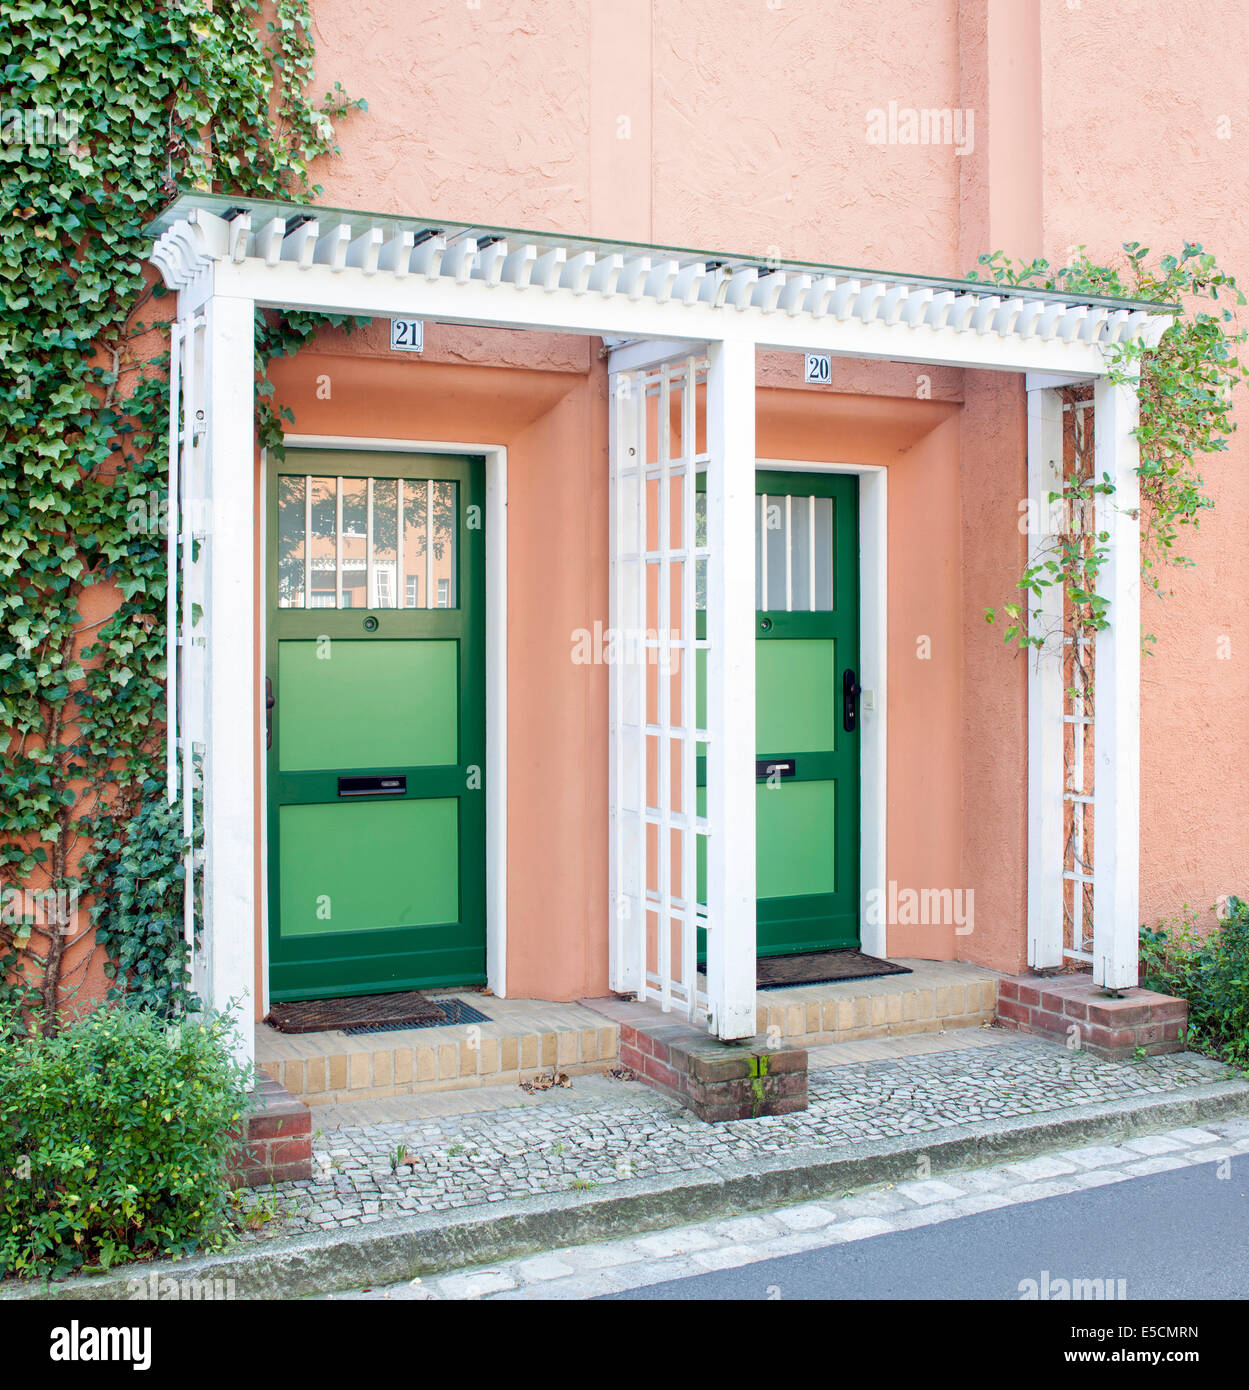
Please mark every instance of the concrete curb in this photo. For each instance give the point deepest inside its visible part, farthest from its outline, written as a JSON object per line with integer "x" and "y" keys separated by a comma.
{"x": 390, "y": 1251}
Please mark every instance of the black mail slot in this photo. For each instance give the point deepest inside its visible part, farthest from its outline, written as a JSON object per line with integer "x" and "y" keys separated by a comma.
{"x": 778, "y": 767}
{"x": 372, "y": 786}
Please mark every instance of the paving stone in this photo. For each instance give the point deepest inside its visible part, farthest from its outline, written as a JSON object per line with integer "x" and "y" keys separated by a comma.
{"x": 747, "y": 1228}
{"x": 1193, "y": 1136}
{"x": 1152, "y": 1144}
{"x": 473, "y": 1283}
{"x": 929, "y": 1191}
{"x": 805, "y": 1218}
{"x": 1098, "y": 1155}
{"x": 664, "y": 1244}
{"x": 862, "y": 1227}
{"x": 1043, "y": 1166}
{"x": 543, "y": 1268}
{"x": 1163, "y": 1163}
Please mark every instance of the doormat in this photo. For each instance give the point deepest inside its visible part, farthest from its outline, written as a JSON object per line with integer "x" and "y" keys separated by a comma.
{"x": 821, "y": 967}
{"x": 455, "y": 1011}
{"x": 403, "y": 1010}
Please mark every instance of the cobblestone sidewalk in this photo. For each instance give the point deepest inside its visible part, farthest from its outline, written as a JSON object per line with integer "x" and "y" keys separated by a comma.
{"x": 604, "y": 1131}
{"x": 601, "y": 1267}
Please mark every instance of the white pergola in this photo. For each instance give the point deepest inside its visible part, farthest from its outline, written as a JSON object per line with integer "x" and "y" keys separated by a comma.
{"x": 674, "y": 320}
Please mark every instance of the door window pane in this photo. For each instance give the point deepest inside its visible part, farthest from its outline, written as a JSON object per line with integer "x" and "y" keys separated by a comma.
{"x": 367, "y": 542}
{"x": 823, "y": 553}
{"x": 355, "y": 546}
{"x": 384, "y": 554}
{"x": 292, "y": 573}
{"x": 323, "y": 541}
{"x": 442, "y": 544}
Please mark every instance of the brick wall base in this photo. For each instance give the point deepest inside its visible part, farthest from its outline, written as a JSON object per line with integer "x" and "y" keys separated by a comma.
{"x": 279, "y": 1138}
{"x": 1072, "y": 1009}
{"x": 717, "y": 1081}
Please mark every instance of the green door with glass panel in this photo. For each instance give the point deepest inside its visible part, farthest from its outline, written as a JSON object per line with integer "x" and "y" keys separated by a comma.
{"x": 806, "y": 711}
{"x": 375, "y": 685}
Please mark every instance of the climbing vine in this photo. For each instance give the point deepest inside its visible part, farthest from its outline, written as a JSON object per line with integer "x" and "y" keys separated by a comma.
{"x": 1186, "y": 386}
{"x": 109, "y": 108}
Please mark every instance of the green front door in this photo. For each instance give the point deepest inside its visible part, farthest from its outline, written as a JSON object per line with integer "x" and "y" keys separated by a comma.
{"x": 806, "y": 711}
{"x": 376, "y": 760}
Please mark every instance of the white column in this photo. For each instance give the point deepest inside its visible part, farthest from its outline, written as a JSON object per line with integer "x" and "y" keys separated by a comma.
{"x": 232, "y": 694}
{"x": 731, "y": 688}
{"x": 1116, "y": 793}
{"x": 1045, "y": 692}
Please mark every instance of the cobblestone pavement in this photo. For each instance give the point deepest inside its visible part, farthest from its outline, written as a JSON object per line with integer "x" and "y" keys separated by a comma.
{"x": 601, "y": 1267}
{"x": 603, "y": 1131}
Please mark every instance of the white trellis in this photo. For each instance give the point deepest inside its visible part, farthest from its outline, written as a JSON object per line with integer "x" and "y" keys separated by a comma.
{"x": 655, "y": 737}
{"x": 1084, "y": 700}
{"x": 228, "y": 256}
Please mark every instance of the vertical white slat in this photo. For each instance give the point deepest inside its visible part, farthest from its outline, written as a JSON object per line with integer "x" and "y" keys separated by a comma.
{"x": 192, "y": 692}
{"x": 401, "y": 579}
{"x": 638, "y": 667}
{"x": 789, "y": 552}
{"x": 731, "y": 688}
{"x": 234, "y": 700}
{"x": 689, "y": 675}
{"x": 663, "y": 687}
{"x": 307, "y": 541}
{"x": 370, "y": 596}
{"x": 1117, "y": 745}
{"x": 763, "y": 551}
{"x": 811, "y": 553}
{"x": 338, "y": 543}
{"x": 429, "y": 544}
{"x": 1046, "y": 700}
{"x": 172, "y": 516}
{"x": 616, "y": 932}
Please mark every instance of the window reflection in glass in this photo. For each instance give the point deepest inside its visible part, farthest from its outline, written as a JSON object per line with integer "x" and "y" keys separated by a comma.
{"x": 322, "y": 541}
{"x": 291, "y": 558}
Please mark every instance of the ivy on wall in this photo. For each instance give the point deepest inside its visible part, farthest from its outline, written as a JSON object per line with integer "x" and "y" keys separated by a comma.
{"x": 1186, "y": 386}
{"x": 109, "y": 107}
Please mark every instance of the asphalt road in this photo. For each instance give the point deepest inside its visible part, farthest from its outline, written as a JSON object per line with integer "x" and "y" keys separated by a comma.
{"x": 1182, "y": 1234}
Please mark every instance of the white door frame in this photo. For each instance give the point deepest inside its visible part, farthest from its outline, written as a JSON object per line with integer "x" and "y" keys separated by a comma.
{"x": 496, "y": 680}
{"x": 873, "y": 649}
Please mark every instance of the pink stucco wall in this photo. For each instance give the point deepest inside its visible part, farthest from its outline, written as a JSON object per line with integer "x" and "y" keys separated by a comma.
{"x": 744, "y": 127}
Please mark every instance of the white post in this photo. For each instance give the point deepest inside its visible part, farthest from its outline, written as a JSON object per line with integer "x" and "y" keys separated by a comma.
{"x": 232, "y": 695}
{"x": 1116, "y": 791}
{"x": 1045, "y": 693}
{"x": 731, "y": 687}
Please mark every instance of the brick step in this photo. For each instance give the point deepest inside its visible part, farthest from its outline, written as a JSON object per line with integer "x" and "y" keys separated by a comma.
{"x": 1071, "y": 1009}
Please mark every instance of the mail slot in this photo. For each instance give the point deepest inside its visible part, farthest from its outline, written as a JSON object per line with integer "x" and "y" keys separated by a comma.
{"x": 776, "y": 767}
{"x": 372, "y": 786}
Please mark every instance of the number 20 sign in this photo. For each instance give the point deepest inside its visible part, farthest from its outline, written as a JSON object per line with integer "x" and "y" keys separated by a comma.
{"x": 819, "y": 368}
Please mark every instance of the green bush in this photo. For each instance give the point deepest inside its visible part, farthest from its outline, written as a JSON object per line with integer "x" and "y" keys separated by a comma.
{"x": 1210, "y": 970}
{"x": 115, "y": 1137}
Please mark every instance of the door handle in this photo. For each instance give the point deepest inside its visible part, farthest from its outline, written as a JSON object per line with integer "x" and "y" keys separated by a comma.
{"x": 269, "y": 704}
{"x": 850, "y": 691}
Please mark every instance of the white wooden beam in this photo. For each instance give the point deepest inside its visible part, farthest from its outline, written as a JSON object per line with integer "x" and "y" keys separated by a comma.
{"x": 731, "y": 688}
{"x": 1117, "y": 737}
{"x": 1045, "y": 694}
{"x": 233, "y": 696}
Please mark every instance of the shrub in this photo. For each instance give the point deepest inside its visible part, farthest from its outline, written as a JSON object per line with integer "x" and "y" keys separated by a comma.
{"x": 1210, "y": 970}
{"x": 115, "y": 1137}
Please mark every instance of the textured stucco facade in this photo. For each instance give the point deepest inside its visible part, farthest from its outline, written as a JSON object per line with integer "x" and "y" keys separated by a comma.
{"x": 746, "y": 127}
